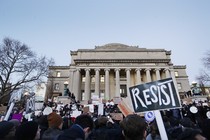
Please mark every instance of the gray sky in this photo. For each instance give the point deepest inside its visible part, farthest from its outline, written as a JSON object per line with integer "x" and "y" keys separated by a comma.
{"x": 53, "y": 28}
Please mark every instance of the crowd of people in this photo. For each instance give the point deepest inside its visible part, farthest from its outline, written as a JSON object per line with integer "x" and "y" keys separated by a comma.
{"x": 180, "y": 124}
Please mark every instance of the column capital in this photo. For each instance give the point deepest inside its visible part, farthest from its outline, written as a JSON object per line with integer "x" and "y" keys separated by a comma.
{"x": 166, "y": 69}
{"x": 72, "y": 70}
{"x": 87, "y": 69}
{"x": 138, "y": 69}
{"x": 117, "y": 69}
{"x": 157, "y": 69}
{"x": 171, "y": 70}
{"x": 107, "y": 69}
{"x": 97, "y": 69}
{"x": 127, "y": 69}
{"x": 147, "y": 69}
{"x": 78, "y": 69}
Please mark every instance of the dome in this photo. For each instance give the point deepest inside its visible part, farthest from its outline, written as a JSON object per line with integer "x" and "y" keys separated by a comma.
{"x": 115, "y": 46}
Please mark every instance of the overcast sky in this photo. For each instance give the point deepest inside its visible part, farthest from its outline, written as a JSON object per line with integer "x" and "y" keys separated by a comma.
{"x": 54, "y": 27}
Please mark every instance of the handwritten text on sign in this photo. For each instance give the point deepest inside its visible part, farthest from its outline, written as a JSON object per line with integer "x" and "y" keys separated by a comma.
{"x": 154, "y": 96}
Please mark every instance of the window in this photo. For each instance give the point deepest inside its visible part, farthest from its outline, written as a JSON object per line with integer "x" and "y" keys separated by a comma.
{"x": 92, "y": 79}
{"x": 83, "y": 95}
{"x": 56, "y": 86}
{"x": 83, "y": 79}
{"x": 123, "y": 90}
{"x": 179, "y": 85}
{"x": 176, "y": 73}
{"x": 102, "y": 78}
{"x": 58, "y": 74}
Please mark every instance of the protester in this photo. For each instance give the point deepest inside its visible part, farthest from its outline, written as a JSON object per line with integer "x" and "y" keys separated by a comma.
{"x": 133, "y": 127}
{"x": 175, "y": 128}
{"x": 43, "y": 124}
{"x": 154, "y": 132}
{"x": 27, "y": 131}
{"x": 191, "y": 134}
{"x": 5, "y": 128}
{"x": 105, "y": 129}
{"x": 205, "y": 128}
{"x": 80, "y": 130}
{"x": 11, "y": 134}
{"x": 55, "y": 123}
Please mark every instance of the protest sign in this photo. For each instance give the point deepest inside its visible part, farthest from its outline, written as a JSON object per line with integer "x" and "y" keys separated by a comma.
{"x": 155, "y": 95}
{"x": 47, "y": 110}
{"x": 117, "y": 100}
{"x": 100, "y": 109}
{"x": 91, "y": 107}
{"x": 76, "y": 113}
{"x": 117, "y": 116}
{"x": 124, "y": 108}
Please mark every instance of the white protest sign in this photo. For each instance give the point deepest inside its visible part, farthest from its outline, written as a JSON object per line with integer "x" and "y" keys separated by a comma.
{"x": 117, "y": 100}
{"x": 47, "y": 111}
{"x": 76, "y": 113}
{"x": 100, "y": 109}
{"x": 208, "y": 114}
{"x": 193, "y": 109}
{"x": 37, "y": 112}
{"x": 91, "y": 107}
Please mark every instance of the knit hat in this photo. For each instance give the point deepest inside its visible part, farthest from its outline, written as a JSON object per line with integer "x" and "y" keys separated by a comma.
{"x": 54, "y": 120}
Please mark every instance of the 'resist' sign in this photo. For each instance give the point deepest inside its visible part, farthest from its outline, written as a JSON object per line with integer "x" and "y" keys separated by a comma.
{"x": 155, "y": 95}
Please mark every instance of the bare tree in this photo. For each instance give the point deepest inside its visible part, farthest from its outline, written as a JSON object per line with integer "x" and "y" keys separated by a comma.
{"x": 20, "y": 66}
{"x": 204, "y": 75}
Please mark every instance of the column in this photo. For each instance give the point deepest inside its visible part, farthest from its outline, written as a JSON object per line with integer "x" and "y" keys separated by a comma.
{"x": 117, "y": 77}
{"x": 107, "y": 95}
{"x": 76, "y": 85}
{"x": 87, "y": 84}
{"x": 71, "y": 81}
{"x": 97, "y": 81}
{"x": 128, "y": 77}
{"x": 148, "y": 75}
{"x": 157, "y": 70}
{"x": 138, "y": 73}
{"x": 175, "y": 83}
{"x": 167, "y": 73}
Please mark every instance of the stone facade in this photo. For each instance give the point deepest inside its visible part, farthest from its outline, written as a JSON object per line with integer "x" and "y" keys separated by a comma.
{"x": 108, "y": 71}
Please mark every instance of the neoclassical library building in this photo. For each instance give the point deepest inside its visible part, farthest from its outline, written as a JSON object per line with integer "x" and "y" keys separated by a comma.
{"x": 108, "y": 71}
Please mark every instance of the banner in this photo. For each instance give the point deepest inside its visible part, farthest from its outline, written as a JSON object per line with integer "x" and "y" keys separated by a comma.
{"x": 155, "y": 95}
